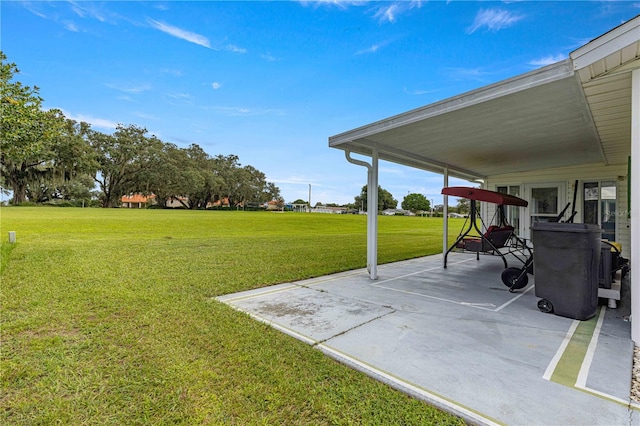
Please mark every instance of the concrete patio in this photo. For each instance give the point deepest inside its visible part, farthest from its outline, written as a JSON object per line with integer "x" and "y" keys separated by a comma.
{"x": 458, "y": 339}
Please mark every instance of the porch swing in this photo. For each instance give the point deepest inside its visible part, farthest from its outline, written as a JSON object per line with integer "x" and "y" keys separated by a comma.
{"x": 499, "y": 238}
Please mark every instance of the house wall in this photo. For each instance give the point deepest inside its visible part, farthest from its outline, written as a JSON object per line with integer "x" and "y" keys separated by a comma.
{"x": 568, "y": 176}
{"x": 131, "y": 205}
{"x": 173, "y": 203}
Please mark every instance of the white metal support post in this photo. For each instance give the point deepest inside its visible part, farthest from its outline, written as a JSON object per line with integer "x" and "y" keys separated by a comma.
{"x": 372, "y": 217}
{"x": 445, "y": 217}
{"x": 372, "y": 210}
{"x": 635, "y": 206}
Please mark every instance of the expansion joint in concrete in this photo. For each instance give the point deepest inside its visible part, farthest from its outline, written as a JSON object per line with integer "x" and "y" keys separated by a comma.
{"x": 320, "y": 342}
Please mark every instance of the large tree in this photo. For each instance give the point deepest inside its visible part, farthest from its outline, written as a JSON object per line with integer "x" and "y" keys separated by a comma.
{"x": 272, "y": 192}
{"x": 233, "y": 181}
{"x": 183, "y": 174}
{"x": 123, "y": 160}
{"x": 197, "y": 177}
{"x": 416, "y": 203}
{"x": 71, "y": 179}
{"x": 241, "y": 184}
{"x": 80, "y": 188}
{"x": 463, "y": 205}
{"x": 385, "y": 199}
{"x": 33, "y": 146}
{"x": 224, "y": 168}
{"x": 253, "y": 184}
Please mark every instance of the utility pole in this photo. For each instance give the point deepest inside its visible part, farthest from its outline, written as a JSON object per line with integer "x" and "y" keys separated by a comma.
{"x": 309, "y": 198}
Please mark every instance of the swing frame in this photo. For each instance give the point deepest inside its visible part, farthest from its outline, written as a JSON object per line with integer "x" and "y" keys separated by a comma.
{"x": 483, "y": 242}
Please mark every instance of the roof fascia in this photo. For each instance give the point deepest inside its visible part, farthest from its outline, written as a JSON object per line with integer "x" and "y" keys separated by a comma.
{"x": 607, "y": 44}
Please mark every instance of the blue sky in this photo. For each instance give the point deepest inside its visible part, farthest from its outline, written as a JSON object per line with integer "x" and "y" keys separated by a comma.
{"x": 271, "y": 81}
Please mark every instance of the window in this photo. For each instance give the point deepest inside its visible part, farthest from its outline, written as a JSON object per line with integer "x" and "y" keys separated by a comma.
{"x": 544, "y": 204}
{"x": 512, "y": 212}
{"x": 599, "y": 206}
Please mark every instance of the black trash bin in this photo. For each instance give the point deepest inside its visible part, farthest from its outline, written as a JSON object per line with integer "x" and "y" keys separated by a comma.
{"x": 604, "y": 271}
{"x": 566, "y": 261}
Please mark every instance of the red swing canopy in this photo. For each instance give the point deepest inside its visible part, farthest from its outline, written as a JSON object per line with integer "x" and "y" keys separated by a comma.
{"x": 484, "y": 195}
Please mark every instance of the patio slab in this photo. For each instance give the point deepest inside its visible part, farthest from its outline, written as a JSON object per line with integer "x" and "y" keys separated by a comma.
{"x": 458, "y": 339}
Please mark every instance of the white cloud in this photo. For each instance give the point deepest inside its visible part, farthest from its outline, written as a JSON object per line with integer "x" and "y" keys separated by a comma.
{"x": 232, "y": 111}
{"x": 418, "y": 91}
{"x": 493, "y": 20}
{"x": 235, "y": 49}
{"x": 87, "y": 10}
{"x": 268, "y": 57}
{"x": 372, "y": 49}
{"x": 81, "y": 9}
{"x": 181, "y": 34}
{"x": 244, "y": 111}
{"x": 145, "y": 115}
{"x": 177, "y": 73}
{"x": 180, "y": 96}
{"x": 340, "y": 3}
{"x": 71, "y": 26}
{"x": 130, "y": 89}
{"x": 547, "y": 60}
{"x": 77, "y": 9}
{"x": 182, "y": 99}
{"x": 32, "y": 7}
{"x": 216, "y": 85}
{"x": 93, "y": 121}
{"x": 475, "y": 74}
{"x": 387, "y": 13}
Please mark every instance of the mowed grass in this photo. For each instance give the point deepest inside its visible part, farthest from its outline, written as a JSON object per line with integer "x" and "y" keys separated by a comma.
{"x": 108, "y": 317}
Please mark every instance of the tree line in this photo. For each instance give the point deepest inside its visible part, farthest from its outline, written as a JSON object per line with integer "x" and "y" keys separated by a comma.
{"x": 413, "y": 202}
{"x": 45, "y": 156}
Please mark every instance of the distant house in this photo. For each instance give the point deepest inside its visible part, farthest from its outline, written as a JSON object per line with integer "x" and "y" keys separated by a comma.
{"x": 330, "y": 210}
{"x": 177, "y": 202}
{"x": 224, "y": 202}
{"x": 298, "y": 207}
{"x": 137, "y": 201}
{"x": 397, "y": 212}
{"x": 457, "y": 215}
{"x": 273, "y": 205}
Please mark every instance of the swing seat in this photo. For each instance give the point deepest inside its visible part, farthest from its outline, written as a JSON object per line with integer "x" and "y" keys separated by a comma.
{"x": 496, "y": 237}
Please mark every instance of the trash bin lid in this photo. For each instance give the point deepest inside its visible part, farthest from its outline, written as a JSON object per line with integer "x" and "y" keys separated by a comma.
{"x": 566, "y": 227}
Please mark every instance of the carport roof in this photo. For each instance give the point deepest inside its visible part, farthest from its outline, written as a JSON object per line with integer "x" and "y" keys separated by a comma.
{"x": 581, "y": 106}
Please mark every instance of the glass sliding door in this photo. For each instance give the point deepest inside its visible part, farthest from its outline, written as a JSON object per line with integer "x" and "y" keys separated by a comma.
{"x": 590, "y": 206}
{"x": 512, "y": 212}
{"x": 599, "y": 206}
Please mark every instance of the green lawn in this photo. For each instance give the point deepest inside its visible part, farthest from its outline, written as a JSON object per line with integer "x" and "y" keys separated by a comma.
{"x": 107, "y": 318}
